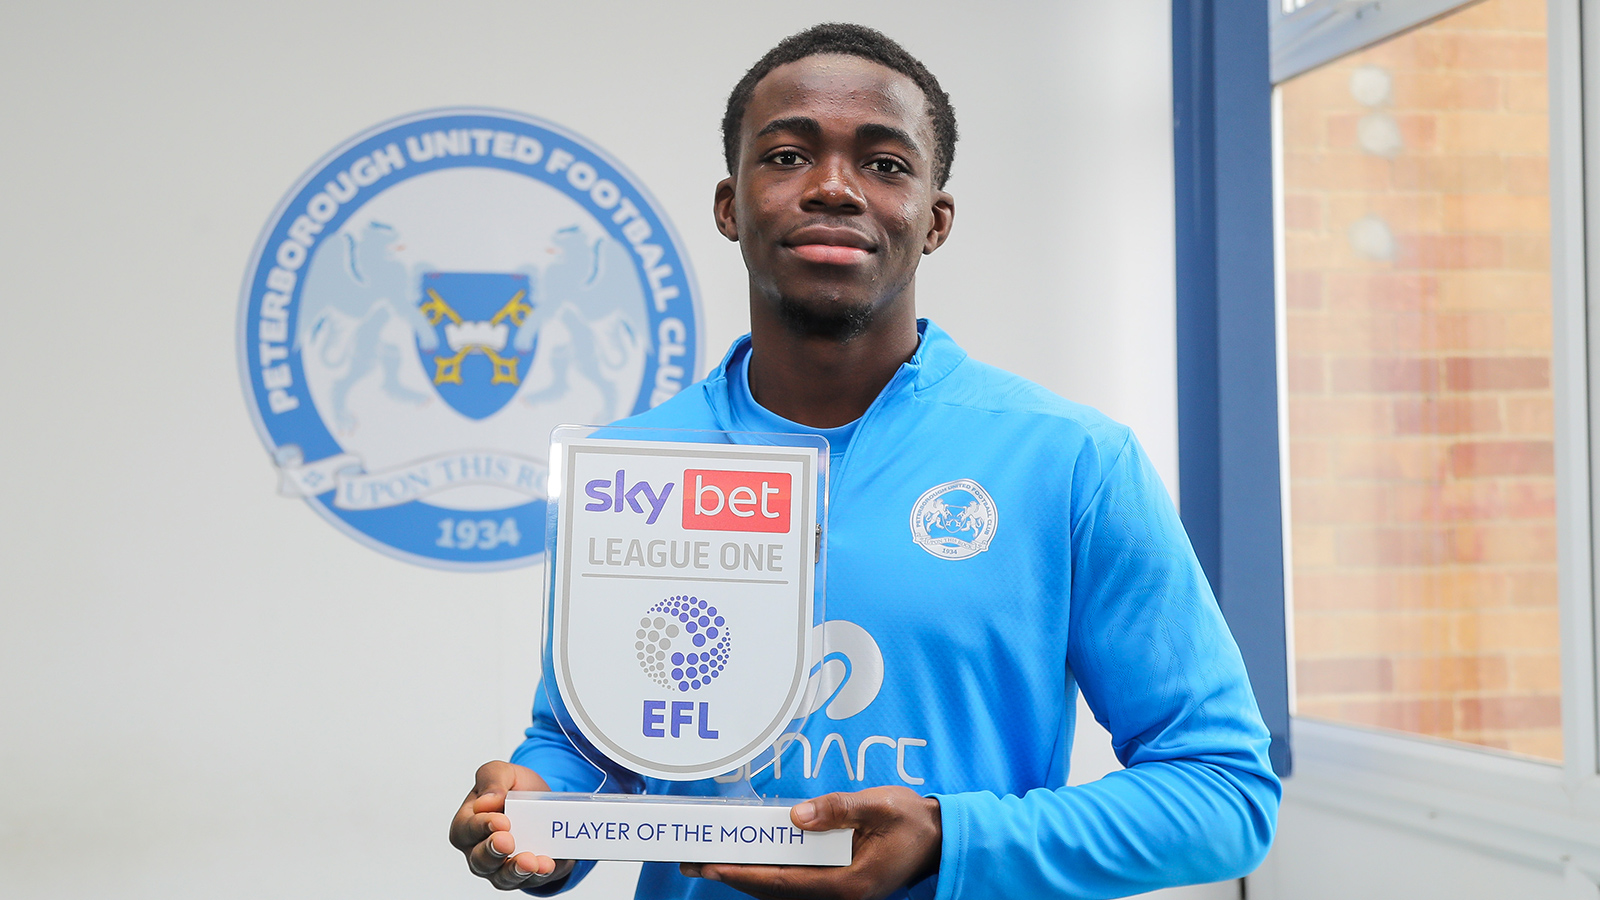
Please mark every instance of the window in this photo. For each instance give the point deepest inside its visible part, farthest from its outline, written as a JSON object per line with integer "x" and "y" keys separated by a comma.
{"x": 1435, "y": 367}
{"x": 1415, "y": 217}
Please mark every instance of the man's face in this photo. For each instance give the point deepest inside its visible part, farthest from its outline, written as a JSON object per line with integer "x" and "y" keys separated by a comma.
{"x": 834, "y": 202}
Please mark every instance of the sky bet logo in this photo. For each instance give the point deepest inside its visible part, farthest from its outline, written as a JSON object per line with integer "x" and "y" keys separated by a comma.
{"x": 716, "y": 500}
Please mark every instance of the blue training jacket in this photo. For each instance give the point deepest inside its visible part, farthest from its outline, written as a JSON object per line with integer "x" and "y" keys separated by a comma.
{"x": 959, "y": 675}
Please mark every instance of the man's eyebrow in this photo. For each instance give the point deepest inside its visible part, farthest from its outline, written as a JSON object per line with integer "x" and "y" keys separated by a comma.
{"x": 874, "y": 131}
{"x": 807, "y": 127}
{"x": 804, "y": 126}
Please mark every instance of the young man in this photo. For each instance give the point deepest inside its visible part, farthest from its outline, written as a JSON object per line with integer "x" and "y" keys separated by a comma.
{"x": 1076, "y": 572}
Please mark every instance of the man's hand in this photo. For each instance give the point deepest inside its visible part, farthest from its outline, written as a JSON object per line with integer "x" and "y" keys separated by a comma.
{"x": 482, "y": 832}
{"x": 896, "y": 843}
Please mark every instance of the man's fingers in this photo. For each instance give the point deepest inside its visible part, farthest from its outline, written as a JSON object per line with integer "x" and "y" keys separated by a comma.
{"x": 481, "y": 831}
{"x": 469, "y": 828}
{"x": 488, "y": 855}
{"x": 775, "y": 881}
{"x": 496, "y": 859}
{"x": 527, "y": 870}
{"x": 494, "y": 779}
{"x": 826, "y": 812}
{"x": 488, "y": 793}
{"x": 897, "y": 840}
{"x": 488, "y": 796}
{"x": 464, "y": 830}
{"x": 862, "y": 810}
{"x": 518, "y": 872}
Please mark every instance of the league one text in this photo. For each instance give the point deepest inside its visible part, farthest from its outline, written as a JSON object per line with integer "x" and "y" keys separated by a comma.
{"x": 682, "y": 635}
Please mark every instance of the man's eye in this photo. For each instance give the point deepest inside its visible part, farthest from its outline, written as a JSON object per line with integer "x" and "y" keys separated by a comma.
{"x": 886, "y": 166}
{"x": 786, "y": 158}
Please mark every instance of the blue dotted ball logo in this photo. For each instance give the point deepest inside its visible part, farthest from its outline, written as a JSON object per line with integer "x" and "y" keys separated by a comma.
{"x": 683, "y": 643}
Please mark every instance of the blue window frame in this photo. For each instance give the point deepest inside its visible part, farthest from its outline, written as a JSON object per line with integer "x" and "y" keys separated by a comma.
{"x": 1228, "y": 447}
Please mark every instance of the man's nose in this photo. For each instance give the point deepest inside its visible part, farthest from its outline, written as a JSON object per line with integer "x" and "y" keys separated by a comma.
{"x": 834, "y": 186}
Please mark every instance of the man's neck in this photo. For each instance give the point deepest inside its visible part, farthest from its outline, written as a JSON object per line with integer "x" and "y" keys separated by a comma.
{"x": 823, "y": 382}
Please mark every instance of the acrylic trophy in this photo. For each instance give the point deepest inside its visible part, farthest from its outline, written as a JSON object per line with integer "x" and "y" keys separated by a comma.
{"x": 683, "y": 600}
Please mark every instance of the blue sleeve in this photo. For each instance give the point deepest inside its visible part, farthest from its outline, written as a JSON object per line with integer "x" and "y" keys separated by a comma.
{"x": 1197, "y": 801}
{"x": 547, "y": 750}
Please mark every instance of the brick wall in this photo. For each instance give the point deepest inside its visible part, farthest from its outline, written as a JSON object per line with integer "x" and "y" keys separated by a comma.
{"x": 1419, "y": 334}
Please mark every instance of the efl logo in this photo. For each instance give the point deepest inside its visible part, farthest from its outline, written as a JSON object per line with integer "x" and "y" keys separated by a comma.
{"x": 736, "y": 501}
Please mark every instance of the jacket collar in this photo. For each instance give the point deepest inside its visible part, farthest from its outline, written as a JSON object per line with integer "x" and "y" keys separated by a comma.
{"x": 937, "y": 355}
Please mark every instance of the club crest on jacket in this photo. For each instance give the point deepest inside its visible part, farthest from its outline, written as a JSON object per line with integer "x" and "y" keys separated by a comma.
{"x": 954, "y": 520}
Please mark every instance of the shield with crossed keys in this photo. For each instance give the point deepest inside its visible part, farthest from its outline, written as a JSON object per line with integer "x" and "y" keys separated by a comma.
{"x": 476, "y": 365}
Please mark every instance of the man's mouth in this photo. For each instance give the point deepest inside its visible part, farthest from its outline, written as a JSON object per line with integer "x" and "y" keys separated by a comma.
{"x": 829, "y": 254}
{"x": 829, "y": 245}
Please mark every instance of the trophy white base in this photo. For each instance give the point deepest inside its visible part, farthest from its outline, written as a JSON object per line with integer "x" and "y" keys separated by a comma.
{"x": 654, "y": 828}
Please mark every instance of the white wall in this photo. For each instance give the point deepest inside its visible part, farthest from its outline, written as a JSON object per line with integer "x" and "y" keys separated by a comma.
{"x": 205, "y": 690}
{"x": 1322, "y": 854}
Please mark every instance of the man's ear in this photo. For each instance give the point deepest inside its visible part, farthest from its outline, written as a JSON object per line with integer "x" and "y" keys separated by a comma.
{"x": 722, "y": 209}
{"x": 944, "y": 217}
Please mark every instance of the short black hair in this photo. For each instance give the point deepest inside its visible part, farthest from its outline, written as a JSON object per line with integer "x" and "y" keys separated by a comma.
{"x": 849, "y": 40}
